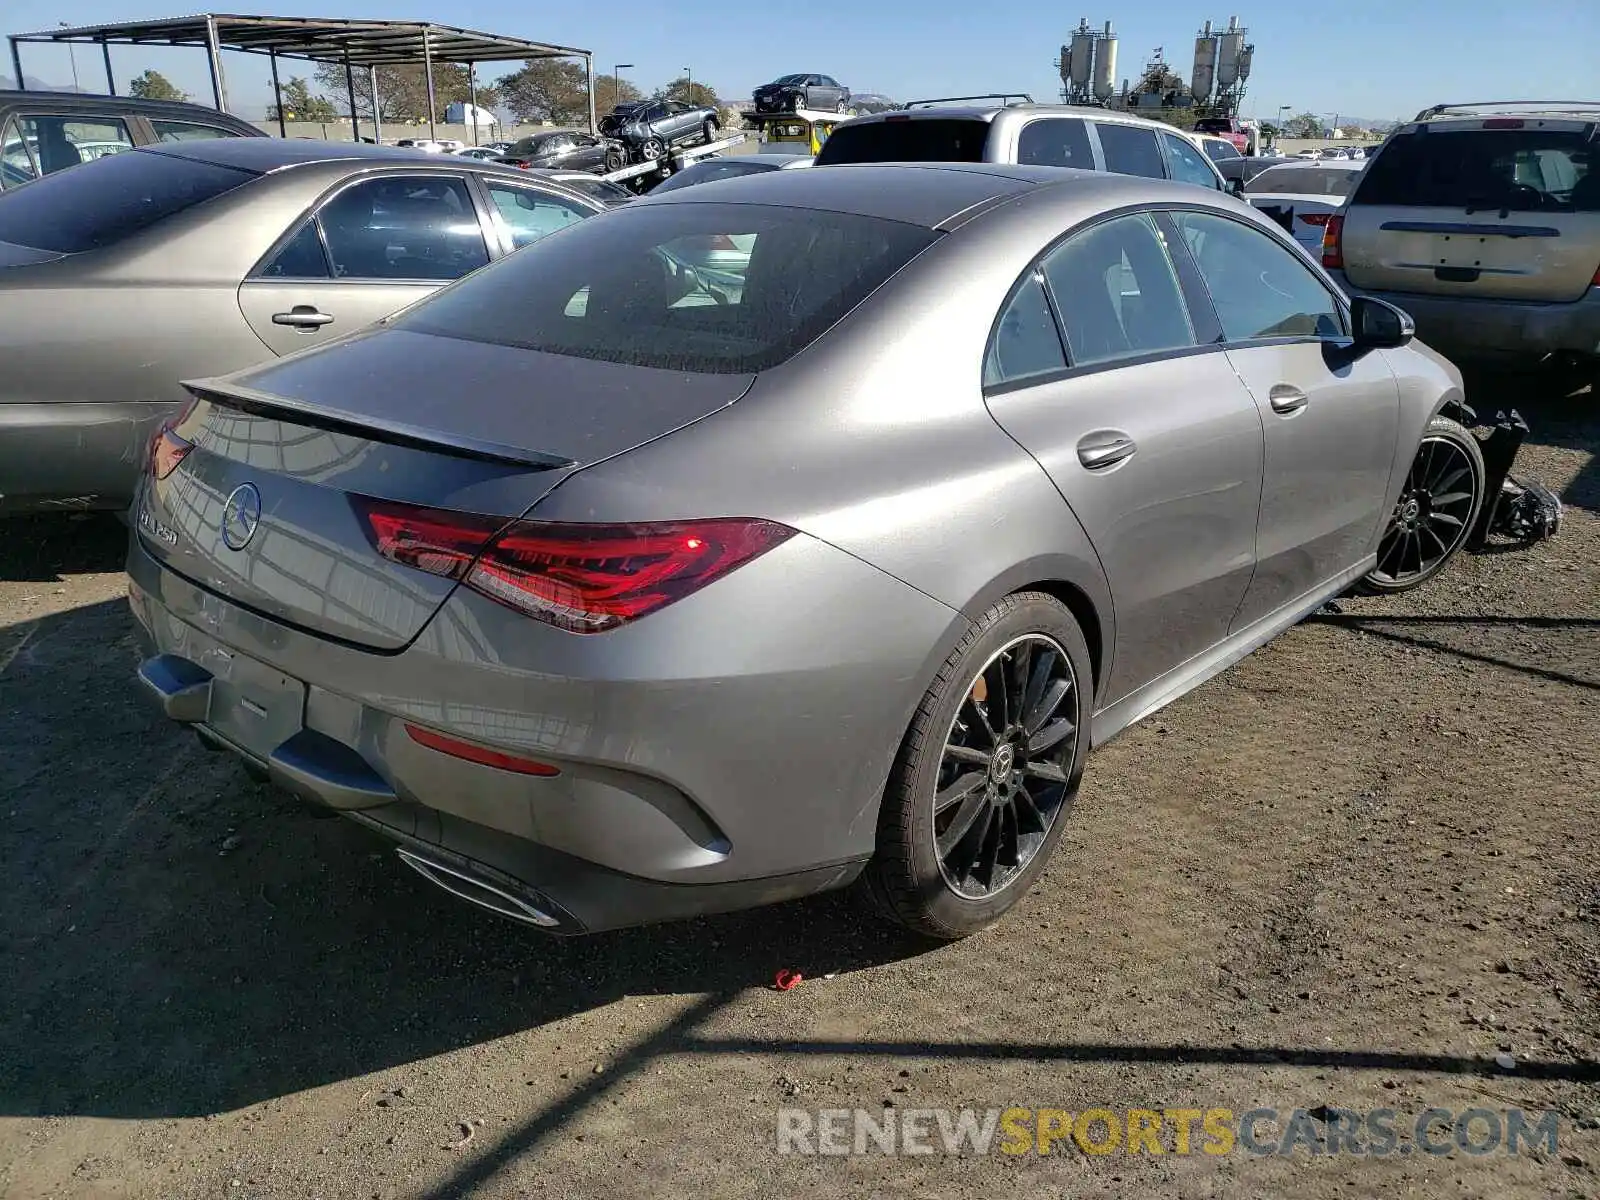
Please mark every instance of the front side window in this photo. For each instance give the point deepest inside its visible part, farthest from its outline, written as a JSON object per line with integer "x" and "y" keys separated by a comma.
{"x": 1117, "y": 292}
{"x": 530, "y": 214}
{"x": 1259, "y": 287}
{"x": 715, "y": 288}
{"x": 1026, "y": 340}
{"x": 1188, "y": 164}
{"x": 417, "y": 227}
{"x": 113, "y": 199}
{"x": 1130, "y": 150}
{"x": 1056, "y": 142}
{"x": 188, "y": 131}
{"x": 1219, "y": 151}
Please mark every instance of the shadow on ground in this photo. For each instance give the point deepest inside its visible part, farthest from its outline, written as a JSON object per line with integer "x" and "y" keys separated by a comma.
{"x": 45, "y": 549}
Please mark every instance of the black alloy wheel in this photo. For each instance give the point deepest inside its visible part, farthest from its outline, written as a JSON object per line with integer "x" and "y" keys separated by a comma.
{"x": 1435, "y": 512}
{"x": 1007, "y": 759}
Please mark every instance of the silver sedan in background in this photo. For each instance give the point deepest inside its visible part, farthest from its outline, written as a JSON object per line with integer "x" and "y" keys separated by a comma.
{"x": 120, "y": 279}
{"x": 609, "y": 601}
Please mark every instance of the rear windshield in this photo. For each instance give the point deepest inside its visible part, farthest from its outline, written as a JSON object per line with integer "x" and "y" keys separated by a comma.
{"x": 716, "y": 288}
{"x": 111, "y": 198}
{"x": 1520, "y": 170}
{"x": 1213, "y": 125}
{"x": 1304, "y": 181}
{"x": 909, "y": 140}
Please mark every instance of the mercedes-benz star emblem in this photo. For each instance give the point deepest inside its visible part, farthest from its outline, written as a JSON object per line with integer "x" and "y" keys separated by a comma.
{"x": 240, "y": 516}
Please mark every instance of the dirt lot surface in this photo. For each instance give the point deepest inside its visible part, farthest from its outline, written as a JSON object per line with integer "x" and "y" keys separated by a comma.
{"x": 1354, "y": 871}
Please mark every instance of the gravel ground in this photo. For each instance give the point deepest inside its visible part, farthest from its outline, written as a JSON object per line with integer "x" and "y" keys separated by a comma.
{"x": 1355, "y": 871}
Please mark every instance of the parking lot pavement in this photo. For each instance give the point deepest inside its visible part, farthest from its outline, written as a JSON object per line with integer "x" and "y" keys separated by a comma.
{"x": 1353, "y": 872}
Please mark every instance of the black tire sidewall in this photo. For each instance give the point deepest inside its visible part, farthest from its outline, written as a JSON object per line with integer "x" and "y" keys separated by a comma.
{"x": 907, "y": 881}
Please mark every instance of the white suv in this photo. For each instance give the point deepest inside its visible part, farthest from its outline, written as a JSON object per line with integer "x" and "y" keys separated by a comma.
{"x": 1482, "y": 222}
{"x": 1052, "y": 135}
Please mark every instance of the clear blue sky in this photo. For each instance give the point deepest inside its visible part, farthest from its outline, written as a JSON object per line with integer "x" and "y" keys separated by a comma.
{"x": 1368, "y": 58}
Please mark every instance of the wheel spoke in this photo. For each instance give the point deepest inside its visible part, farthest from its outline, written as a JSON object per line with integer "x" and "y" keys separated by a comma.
{"x": 1009, "y": 843}
{"x": 1443, "y": 548}
{"x": 961, "y": 824}
{"x": 1448, "y": 480}
{"x": 1050, "y": 736}
{"x": 980, "y": 719}
{"x": 1447, "y": 518}
{"x": 967, "y": 754}
{"x": 1042, "y": 709}
{"x": 1038, "y": 679}
{"x": 1017, "y": 681}
{"x": 1029, "y": 818}
{"x": 988, "y": 854}
{"x": 1047, "y": 771}
{"x": 964, "y": 786}
{"x": 994, "y": 677}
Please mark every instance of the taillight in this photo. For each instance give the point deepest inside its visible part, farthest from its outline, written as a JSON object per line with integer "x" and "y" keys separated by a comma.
{"x": 1332, "y": 251}
{"x": 1314, "y": 218}
{"x": 167, "y": 450}
{"x": 525, "y": 166}
{"x": 1596, "y": 279}
{"x": 584, "y": 578}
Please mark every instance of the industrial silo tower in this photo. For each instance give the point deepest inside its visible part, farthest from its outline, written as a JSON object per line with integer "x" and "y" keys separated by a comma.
{"x": 1204, "y": 76}
{"x": 1088, "y": 64}
{"x": 1105, "y": 65}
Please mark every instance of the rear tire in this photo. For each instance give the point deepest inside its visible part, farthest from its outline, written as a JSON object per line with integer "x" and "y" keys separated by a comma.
{"x": 652, "y": 149}
{"x": 962, "y": 839}
{"x": 709, "y": 133}
{"x": 1433, "y": 516}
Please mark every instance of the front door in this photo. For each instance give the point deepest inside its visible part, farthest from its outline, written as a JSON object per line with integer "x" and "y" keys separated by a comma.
{"x": 1331, "y": 417}
{"x": 1150, "y": 437}
{"x": 369, "y": 250}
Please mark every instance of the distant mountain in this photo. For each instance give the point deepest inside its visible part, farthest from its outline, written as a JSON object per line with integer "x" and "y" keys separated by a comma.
{"x": 9, "y": 83}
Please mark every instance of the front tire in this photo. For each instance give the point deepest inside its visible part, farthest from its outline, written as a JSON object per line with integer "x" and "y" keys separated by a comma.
{"x": 987, "y": 773}
{"x": 652, "y": 149}
{"x": 1435, "y": 513}
{"x": 709, "y": 133}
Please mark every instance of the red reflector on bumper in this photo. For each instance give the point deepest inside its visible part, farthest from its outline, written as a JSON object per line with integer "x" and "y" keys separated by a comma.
{"x": 167, "y": 450}
{"x": 478, "y": 754}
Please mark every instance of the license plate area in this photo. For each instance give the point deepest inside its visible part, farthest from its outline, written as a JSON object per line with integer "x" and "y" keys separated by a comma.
{"x": 254, "y": 706}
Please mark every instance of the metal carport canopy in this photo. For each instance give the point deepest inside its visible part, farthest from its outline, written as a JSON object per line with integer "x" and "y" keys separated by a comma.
{"x": 368, "y": 44}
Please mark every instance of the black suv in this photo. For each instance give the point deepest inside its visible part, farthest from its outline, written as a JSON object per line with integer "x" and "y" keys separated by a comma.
{"x": 45, "y": 132}
{"x": 820, "y": 93}
{"x": 651, "y": 127}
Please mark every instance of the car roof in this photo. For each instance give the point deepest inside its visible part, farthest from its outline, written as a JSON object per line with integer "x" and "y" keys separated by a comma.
{"x": 272, "y": 154}
{"x": 925, "y": 194}
{"x": 995, "y": 112}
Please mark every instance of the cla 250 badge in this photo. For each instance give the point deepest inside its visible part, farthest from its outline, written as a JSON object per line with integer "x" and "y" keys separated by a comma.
{"x": 148, "y": 524}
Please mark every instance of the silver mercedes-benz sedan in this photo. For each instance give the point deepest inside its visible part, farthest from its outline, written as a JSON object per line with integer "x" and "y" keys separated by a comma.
{"x": 611, "y": 598}
{"x": 120, "y": 279}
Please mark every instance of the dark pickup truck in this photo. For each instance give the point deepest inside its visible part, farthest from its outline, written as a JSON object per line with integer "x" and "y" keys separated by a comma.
{"x": 651, "y": 127}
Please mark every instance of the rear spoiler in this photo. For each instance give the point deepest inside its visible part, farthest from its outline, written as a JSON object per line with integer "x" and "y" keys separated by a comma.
{"x": 373, "y": 428}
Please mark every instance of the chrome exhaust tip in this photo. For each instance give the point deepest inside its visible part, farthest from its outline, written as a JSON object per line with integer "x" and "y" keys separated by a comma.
{"x": 465, "y": 884}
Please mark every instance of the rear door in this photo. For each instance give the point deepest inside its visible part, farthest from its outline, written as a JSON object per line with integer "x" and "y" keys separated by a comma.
{"x": 371, "y": 248}
{"x": 1145, "y": 429}
{"x": 1130, "y": 150}
{"x": 1504, "y": 208}
{"x": 522, "y": 214}
{"x": 1186, "y": 164}
{"x": 1331, "y": 418}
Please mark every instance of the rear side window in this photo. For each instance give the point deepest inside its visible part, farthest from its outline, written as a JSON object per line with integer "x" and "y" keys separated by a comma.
{"x": 1055, "y": 142}
{"x": 110, "y": 199}
{"x": 1026, "y": 341}
{"x": 188, "y": 131}
{"x": 1522, "y": 170}
{"x": 932, "y": 140}
{"x": 715, "y": 288}
{"x": 1131, "y": 151}
{"x": 1188, "y": 164}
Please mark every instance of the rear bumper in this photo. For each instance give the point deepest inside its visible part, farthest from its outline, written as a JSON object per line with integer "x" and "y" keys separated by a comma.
{"x": 73, "y": 457}
{"x": 731, "y": 766}
{"x": 1471, "y": 327}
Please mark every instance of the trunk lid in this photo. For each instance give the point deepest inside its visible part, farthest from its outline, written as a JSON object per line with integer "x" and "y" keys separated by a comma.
{"x": 1502, "y": 208}
{"x": 266, "y": 510}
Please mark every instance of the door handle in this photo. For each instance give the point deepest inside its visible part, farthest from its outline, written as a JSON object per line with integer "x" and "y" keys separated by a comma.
{"x": 1286, "y": 399}
{"x": 304, "y": 317}
{"x": 1105, "y": 449}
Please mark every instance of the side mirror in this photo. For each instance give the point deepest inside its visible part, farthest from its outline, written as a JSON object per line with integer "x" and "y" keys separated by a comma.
{"x": 1379, "y": 325}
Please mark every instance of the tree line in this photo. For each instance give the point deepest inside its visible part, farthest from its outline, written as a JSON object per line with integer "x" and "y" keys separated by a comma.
{"x": 547, "y": 89}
